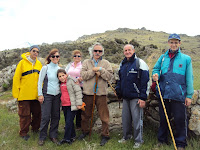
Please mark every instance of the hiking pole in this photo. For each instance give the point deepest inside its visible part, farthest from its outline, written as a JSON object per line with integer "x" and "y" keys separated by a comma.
{"x": 95, "y": 92}
{"x": 114, "y": 92}
{"x": 170, "y": 129}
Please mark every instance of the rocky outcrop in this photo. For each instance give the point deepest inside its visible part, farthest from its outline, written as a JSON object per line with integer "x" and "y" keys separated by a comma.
{"x": 6, "y": 76}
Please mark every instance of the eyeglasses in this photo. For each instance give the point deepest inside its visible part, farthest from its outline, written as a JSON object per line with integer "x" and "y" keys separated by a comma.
{"x": 174, "y": 43}
{"x": 35, "y": 51}
{"x": 77, "y": 56}
{"x": 100, "y": 51}
{"x": 53, "y": 56}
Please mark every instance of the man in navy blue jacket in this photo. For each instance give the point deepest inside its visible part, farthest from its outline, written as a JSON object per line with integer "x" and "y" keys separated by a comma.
{"x": 133, "y": 88}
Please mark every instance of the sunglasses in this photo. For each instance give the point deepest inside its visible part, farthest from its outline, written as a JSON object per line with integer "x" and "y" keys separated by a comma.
{"x": 35, "y": 51}
{"x": 77, "y": 56}
{"x": 53, "y": 56}
{"x": 100, "y": 51}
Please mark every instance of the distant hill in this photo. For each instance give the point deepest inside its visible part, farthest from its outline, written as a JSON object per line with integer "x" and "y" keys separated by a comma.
{"x": 149, "y": 45}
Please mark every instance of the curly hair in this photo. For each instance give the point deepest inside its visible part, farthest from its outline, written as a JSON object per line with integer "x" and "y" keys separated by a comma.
{"x": 91, "y": 48}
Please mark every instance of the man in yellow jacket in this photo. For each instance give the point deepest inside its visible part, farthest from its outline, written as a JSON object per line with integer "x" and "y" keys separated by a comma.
{"x": 25, "y": 90}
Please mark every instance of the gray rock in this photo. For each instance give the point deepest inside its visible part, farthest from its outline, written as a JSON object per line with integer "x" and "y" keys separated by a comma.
{"x": 194, "y": 122}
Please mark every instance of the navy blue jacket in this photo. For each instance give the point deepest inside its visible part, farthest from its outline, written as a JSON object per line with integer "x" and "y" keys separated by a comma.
{"x": 130, "y": 86}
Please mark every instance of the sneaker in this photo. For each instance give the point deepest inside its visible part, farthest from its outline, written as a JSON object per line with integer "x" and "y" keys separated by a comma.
{"x": 26, "y": 137}
{"x": 104, "y": 140}
{"x": 73, "y": 139}
{"x": 63, "y": 141}
{"x": 41, "y": 142}
{"x": 123, "y": 140}
{"x": 137, "y": 145}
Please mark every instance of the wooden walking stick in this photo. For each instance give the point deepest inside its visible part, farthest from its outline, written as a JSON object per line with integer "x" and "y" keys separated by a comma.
{"x": 95, "y": 92}
{"x": 170, "y": 129}
{"x": 114, "y": 92}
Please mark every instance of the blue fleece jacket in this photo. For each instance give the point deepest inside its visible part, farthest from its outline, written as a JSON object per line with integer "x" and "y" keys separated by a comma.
{"x": 48, "y": 76}
{"x": 175, "y": 76}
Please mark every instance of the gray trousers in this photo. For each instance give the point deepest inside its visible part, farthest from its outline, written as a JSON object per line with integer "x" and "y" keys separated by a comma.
{"x": 132, "y": 114}
{"x": 50, "y": 113}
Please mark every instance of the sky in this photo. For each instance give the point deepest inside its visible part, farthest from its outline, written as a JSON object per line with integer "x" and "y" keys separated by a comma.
{"x": 27, "y": 22}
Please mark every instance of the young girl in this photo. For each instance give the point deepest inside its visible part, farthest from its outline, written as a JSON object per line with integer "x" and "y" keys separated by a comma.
{"x": 71, "y": 99}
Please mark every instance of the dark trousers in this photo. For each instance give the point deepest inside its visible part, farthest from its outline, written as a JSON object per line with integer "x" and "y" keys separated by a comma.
{"x": 78, "y": 118}
{"x": 69, "y": 123}
{"x": 29, "y": 114}
{"x": 50, "y": 113}
{"x": 178, "y": 111}
{"x": 102, "y": 108}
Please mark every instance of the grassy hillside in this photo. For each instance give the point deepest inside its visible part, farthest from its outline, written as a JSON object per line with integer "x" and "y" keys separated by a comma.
{"x": 149, "y": 46}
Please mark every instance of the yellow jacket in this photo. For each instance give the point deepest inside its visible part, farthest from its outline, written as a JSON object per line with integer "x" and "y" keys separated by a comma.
{"x": 25, "y": 79}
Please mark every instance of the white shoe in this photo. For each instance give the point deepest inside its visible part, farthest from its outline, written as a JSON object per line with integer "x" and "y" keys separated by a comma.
{"x": 137, "y": 145}
{"x": 122, "y": 140}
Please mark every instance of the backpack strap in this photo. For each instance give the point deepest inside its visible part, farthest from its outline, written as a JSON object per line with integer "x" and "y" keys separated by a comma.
{"x": 138, "y": 67}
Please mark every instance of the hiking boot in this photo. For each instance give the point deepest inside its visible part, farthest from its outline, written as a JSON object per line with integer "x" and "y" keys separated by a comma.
{"x": 41, "y": 142}
{"x": 54, "y": 140}
{"x": 104, "y": 140}
{"x": 137, "y": 145}
{"x": 180, "y": 148}
{"x": 160, "y": 144}
{"x": 26, "y": 137}
{"x": 82, "y": 136}
{"x": 35, "y": 131}
{"x": 63, "y": 141}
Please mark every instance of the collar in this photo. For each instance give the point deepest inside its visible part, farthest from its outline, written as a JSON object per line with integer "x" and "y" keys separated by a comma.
{"x": 31, "y": 60}
{"x": 130, "y": 60}
{"x": 53, "y": 65}
{"x": 174, "y": 52}
{"x": 97, "y": 60}
{"x": 78, "y": 64}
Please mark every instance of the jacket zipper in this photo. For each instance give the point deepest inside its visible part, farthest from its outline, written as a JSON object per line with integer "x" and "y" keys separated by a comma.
{"x": 135, "y": 86}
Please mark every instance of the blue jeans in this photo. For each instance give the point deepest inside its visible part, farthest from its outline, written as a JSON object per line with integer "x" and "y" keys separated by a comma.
{"x": 178, "y": 111}
{"x": 69, "y": 123}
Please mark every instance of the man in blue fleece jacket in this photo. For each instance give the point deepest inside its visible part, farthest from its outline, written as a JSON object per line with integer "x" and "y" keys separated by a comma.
{"x": 174, "y": 72}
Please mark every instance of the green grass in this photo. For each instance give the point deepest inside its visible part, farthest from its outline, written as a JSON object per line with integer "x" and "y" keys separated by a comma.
{"x": 10, "y": 140}
{"x": 7, "y": 95}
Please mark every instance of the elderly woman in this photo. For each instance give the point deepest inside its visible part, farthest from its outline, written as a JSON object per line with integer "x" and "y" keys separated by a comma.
{"x": 49, "y": 97}
{"x": 73, "y": 69}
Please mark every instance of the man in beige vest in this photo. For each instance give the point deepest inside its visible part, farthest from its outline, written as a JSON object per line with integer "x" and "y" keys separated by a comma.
{"x": 96, "y": 66}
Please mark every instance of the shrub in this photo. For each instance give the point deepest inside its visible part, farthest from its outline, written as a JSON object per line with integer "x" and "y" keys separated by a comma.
{"x": 134, "y": 43}
{"x": 119, "y": 41}
{"x": 153, "y": 46}
{"x": 5, "y": 86}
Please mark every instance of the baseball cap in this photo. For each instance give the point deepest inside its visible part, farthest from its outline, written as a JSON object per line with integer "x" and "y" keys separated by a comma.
{"x": 174, "y": 36}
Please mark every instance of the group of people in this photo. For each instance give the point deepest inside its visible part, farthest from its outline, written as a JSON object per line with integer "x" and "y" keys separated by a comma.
{"x": 42, "y": 90}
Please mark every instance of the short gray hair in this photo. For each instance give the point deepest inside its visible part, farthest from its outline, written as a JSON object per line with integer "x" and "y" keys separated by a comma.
{"x": 129, "y": 45}
{"x": 91, "y": 49}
